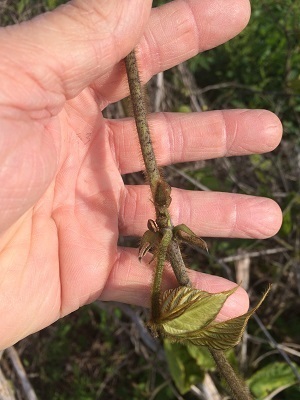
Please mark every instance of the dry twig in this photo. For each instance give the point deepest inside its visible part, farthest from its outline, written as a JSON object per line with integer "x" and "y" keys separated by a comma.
{"x": 27, "y": 389}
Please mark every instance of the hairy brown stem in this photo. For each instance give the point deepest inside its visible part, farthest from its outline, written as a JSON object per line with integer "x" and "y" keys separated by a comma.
{"x": 238, "y": 388}
{"x": 161, "y": 258}
{"x": 176, "y": 260}
{"x": 140, "y": 116}
{"x": 152, "y": 170}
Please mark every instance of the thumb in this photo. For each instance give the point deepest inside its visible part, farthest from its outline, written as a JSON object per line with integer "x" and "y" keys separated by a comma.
{"x": 43, "y": 62}
{"x": 65, "y": 50}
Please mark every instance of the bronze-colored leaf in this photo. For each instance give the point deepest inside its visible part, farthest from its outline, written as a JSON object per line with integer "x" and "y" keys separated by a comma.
{"x": 183, "y": 232}
{"x": 185, "y": 309}
{"x": 148, "y": 242}
{"x": 187, "y": 316}
{"x": 224, "y": 335}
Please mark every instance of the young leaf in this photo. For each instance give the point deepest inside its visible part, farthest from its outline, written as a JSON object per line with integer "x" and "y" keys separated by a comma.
{"x": 186, "y": 310}
{"x": 187, "y": 316}
{"x": 148, "y": 242}
{"x": 184, "y": 233}
{"x": 223, "y": 335}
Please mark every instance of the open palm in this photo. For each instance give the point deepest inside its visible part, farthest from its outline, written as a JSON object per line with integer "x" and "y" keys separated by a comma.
{"x": 62, "y": 199}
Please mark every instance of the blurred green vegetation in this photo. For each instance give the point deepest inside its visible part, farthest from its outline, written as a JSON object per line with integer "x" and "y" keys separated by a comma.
{"x": 85, "y": 356}
{"x": 13, "y": 12}
{"x": 91, "y": 354}
{"x": 261, "y": 65}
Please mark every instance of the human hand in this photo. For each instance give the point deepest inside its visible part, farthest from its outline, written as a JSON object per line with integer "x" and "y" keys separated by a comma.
{"x": 62, "y": 199}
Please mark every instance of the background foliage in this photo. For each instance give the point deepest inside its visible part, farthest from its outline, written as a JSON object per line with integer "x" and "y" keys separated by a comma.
{"x": 102, "y": 351}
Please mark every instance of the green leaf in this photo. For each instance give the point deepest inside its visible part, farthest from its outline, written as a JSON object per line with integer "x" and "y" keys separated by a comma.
{"x": 223, "y": 335}
{"x": 287, "y": 223}
{"x": 184, "y": 109}
{"x": 51, "y": 4}
{"x": 183, "y": 368}
{"x": 202, "y": 357}
{"x": 22, "y": 4}
{"x": 187, "y": 316}
{"x": 270, "y": 378}
{"x": 186, "y": 310}
{"x": 259, "y": 161}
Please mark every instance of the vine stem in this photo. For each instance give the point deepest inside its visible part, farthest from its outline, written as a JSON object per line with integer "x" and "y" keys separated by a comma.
{"x": 161, "y": 257}
{"x": 152, "y": 170}
{"x": 168, "y": 244}
{"x": 238, "y": 388}
{"x": 140, "y": 116}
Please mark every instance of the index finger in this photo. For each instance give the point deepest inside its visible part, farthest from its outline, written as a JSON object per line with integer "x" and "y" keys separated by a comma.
{"x": 176, "y": 32}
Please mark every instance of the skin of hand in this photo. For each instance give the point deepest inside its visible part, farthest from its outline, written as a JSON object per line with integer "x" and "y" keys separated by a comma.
{"x": 62, "y": 199}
